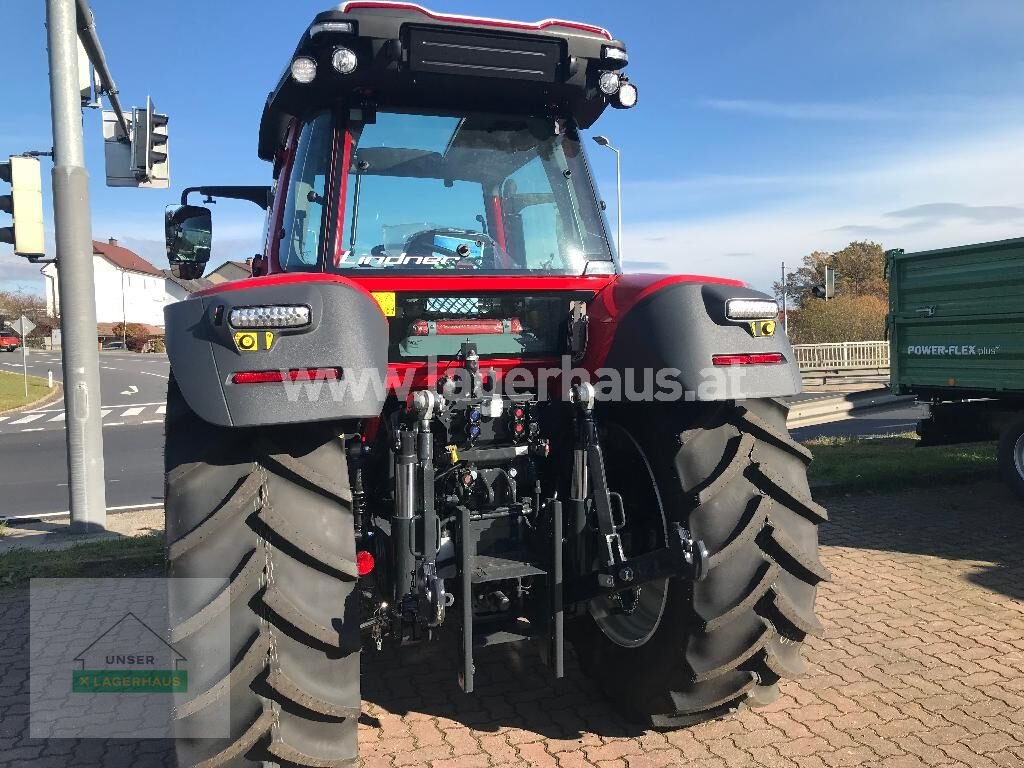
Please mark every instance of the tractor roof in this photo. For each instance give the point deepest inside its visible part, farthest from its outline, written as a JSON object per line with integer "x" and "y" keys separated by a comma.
{"x": 408, "y": 57}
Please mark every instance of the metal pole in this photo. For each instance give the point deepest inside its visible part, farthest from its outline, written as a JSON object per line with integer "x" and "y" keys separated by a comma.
{"x": 618, "y": 198}
{"x": 124, "y": 318}
{"x": 24, "y": 363}
{"x": 93, "y": 49}
{"x": 785, "y": 307}
{"x": 88, "y": 503}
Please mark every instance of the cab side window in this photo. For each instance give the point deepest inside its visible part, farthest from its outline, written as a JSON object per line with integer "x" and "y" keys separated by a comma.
{"x": 304, "y": 216}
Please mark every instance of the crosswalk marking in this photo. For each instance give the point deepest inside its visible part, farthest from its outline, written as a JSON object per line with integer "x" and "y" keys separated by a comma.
{"x": 119, "y": 415}
{"x": 26, "y": 419}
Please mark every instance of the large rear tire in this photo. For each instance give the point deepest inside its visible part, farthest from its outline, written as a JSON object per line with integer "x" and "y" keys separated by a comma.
{"x": 731, "y": 474}
{"x": 269, "y": 511}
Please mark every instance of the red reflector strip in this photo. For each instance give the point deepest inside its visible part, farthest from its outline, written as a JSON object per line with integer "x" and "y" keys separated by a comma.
{"x": 276, "y": 377}
{"x": 459, "y": 327}
{"x": 762, "y": 358}
{"x": 364, "y": 562}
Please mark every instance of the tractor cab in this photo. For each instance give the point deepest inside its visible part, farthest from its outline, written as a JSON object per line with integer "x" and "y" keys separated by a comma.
{"x": 410, "y": 142}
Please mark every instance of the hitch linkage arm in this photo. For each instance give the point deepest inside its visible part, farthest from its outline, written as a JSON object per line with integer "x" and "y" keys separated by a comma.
{"x": 683, "y": 557}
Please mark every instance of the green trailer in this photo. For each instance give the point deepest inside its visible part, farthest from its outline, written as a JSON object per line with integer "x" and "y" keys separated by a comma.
{"x": 956, "y": 335}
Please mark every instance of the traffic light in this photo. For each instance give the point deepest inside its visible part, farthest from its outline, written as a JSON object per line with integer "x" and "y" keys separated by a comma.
{"x": 150, "y": 159}
{"x": 828, "y": 290}
{"x": 25, "y": 204}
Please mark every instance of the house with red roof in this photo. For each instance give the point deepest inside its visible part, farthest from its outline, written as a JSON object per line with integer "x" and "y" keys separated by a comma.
{"x": 128, "y": 288}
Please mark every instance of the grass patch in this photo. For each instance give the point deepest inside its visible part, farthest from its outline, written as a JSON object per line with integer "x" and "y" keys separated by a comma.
{"x": 893, "y": 463}
{"x": 12, "y": 390}
{"x": 130, "y": 556}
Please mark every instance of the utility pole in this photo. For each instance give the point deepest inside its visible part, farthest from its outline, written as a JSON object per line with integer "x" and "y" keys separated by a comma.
{"x": 785, "y": 303}
{"x": 72, "y": 223}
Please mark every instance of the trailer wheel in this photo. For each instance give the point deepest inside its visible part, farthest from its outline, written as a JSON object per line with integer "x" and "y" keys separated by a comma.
{"x": 730, "y": 473}
{"x": 268, "y": 510}
{"x": 1011, "y": 455}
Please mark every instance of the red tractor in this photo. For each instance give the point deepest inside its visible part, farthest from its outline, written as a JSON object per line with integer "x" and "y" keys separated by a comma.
{"x": 439, "y": 411}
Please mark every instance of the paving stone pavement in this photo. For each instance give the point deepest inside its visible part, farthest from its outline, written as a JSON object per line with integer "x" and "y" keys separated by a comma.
{"x": 922, "y": 665}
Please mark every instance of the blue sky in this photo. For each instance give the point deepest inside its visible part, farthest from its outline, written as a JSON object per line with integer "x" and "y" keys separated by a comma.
{"x": 764, "y": 130}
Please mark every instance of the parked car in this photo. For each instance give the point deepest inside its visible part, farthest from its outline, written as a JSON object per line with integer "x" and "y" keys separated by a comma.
{"x": 114, "y": 345}
{"x": 9, "y": 341}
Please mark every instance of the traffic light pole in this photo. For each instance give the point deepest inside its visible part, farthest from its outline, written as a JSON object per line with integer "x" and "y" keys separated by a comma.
{"x": 74, "y": 268}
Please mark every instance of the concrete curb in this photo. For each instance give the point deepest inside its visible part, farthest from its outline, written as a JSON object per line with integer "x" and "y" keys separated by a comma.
{"x": 54, "y": 394}
{"x": 828, "y": 409}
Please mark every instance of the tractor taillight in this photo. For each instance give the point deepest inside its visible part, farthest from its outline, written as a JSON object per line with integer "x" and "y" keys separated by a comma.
{"x": 364, "y": 563}
{"x": 761, "y": 358}
{"x": 276, "y": 377}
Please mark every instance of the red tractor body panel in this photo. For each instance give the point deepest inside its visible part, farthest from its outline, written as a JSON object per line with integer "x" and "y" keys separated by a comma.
{"x": 613, "y": 296}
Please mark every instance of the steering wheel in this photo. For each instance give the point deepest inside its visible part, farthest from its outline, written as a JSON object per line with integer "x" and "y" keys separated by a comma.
{"x": 460, "y": 252}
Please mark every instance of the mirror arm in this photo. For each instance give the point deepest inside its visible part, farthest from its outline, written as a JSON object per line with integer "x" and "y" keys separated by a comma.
{"x": 258, "y": 195}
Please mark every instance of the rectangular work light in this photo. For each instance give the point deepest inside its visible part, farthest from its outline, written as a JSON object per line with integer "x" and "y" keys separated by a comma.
{"x": 751, "y": 309}
{"x": 277, "y": 316}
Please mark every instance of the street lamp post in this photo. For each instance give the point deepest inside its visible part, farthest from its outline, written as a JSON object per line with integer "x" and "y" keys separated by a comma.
{"x": 603, "y": 141}
{"x": 124, "y": 316}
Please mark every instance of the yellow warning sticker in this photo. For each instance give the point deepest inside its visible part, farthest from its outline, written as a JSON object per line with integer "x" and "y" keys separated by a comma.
{"x": 762, "y": 328}
{"x": 386, "y": 299}
{"x": 249, "y": 341}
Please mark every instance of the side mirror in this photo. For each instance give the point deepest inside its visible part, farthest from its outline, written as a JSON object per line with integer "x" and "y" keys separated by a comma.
{"x": 188, "y": 232}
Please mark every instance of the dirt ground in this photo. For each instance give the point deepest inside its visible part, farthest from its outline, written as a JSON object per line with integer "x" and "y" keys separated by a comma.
{"x": 922, "y": 665}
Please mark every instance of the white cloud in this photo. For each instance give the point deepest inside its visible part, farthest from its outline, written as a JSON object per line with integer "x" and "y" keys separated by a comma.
{"x": 970, "y": 191}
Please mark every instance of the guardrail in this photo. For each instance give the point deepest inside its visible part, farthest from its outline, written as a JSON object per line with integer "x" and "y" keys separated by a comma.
{"x": 844, "y": 356}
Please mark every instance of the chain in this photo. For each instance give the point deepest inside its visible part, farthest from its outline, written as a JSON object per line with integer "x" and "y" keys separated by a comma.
{"x": 262, "y": 502}
{"x": 636, "y": 601}
{"x": 377, "y": 632}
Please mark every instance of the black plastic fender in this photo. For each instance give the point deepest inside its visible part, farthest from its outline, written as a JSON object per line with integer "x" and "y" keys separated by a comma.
{"x": 681, "y": 326}
{"x": 347, "y": 330}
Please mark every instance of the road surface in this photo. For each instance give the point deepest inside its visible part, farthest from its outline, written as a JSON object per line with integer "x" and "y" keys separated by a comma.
{"x": 33, "y": 455}
{"x": 33, "y": 464}
{"x": 34, "y": 474}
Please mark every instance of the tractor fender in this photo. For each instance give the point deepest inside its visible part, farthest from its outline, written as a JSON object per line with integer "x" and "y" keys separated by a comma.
{"x": 678, "y": 323}
{"x": 347, "y": 331}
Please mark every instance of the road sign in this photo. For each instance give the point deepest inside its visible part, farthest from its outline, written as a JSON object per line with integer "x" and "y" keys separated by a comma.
{"x": 23, "y": 326}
